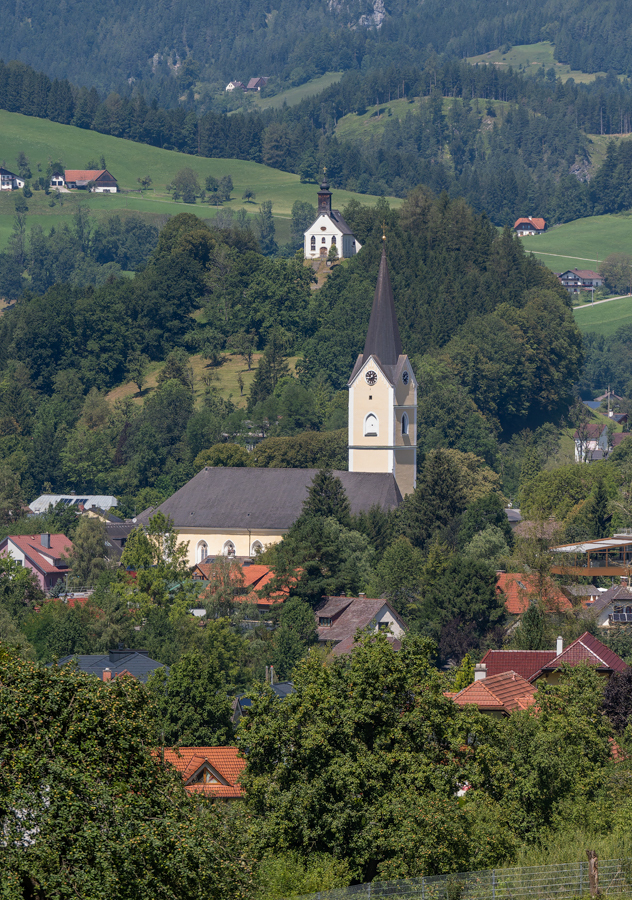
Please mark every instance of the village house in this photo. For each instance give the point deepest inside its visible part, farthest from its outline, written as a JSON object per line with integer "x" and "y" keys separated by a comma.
{"x": 497, "y": 695}
{"x": 339, "y": 618}
{"x": 235, "y": 86}
{"x": 249, "y": 590}
{"x": 98, "y": 181}
{"x": 329, "y": 230}
{"x": 608, "y": 557}
{"x": 255, "y": 84}
{"x": 529, "y": 225}
{"x": 41, "y": 554}
{"x": 9, "y": 181}
{"x": 520, "y": 591}
{"x": 612, "y": 607}
{"x": 115, "y": 663}
{"x": 535, "y": 664}
{"x": 577, "y": 281}
{"x": 211, "y": 771}
{"x": 591, "y": 442}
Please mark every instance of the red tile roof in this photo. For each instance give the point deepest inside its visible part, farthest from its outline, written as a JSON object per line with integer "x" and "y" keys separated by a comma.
{"x": 524, "y": 662}
{"x": 256, "y": 577}
{"x": 590, "y": 432}
{"x": 533, "y": 663}
{"x": 520, "y": 589}
{"x": 587, "y": 649}
{"x": 504, "y": 693}
{"x": 224, "y": 765}
{"x": 42, "y": 557}
{"x": 540, "y": 224}
{"x": 83, "y": 174}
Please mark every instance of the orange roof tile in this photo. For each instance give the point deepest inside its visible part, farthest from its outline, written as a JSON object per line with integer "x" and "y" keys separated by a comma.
{"x": 540, "y": 224}
{"x": 519, "y": 590}
{"x": 224, "y": 763}
{"x": 83, "y": 174}
{"x": 503, "y": 692}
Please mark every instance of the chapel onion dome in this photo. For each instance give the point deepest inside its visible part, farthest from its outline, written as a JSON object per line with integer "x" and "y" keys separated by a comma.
{"x": 324, "y": 185}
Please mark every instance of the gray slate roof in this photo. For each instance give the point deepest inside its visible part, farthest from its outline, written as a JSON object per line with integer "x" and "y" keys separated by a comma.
{"x": 137, "y": 663}
{"x": 340, "y": 222}
{"x": 620, "y": 593}
{"x": 383, "y": 340}
{"x": 265, "y": 498}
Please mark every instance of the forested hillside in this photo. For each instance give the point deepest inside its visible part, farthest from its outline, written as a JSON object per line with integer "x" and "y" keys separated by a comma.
{"x": 506, "y": 143}
{"x": 168, "y": 48}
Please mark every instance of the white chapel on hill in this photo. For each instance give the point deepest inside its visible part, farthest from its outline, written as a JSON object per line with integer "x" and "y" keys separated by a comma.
{"x": 238, "y": 511}
{"x": 329, "y": 230}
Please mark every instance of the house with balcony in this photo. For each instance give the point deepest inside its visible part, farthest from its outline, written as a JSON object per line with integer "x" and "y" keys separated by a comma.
{"x": 608, "y": 557}
{"x": 577, "y": 281}
{"x": 529, "y": 225}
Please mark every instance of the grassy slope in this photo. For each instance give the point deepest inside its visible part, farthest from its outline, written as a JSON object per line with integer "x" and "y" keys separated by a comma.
{"x": 529, "y": 58}
{"x": 294, "y": 95}
{"x": 223, "y": 378}
{"x": 605, "y": 318}
{"x": 42, "y": 140}
{"x": 372, "y": 123}
{"x": 582, "y": 243}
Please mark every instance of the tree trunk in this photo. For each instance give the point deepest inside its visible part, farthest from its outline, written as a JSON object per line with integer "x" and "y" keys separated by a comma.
{"x": 593, "y": 872}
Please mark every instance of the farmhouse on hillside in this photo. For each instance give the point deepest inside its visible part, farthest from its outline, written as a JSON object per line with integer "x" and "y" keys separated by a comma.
{"x": 577, "y": 280}
{"x": 98, "y": 181}
{"x": 235, "y": 86}
{"x": 329, "y": 230}
{"x": 255, "y": 84}
{"x": 529, "y": 225}
{"x": 238, "y": 511}
{"x": 9, "y": 181}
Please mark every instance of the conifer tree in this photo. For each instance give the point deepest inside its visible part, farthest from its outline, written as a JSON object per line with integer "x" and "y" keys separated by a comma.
{"x": 327, "y": 498}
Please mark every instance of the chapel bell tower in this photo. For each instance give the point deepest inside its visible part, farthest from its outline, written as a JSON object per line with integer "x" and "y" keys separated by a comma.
{"x": 383, "y": 396}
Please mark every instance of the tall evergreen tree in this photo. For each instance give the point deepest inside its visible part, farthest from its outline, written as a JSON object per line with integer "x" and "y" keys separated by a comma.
{"x": 327, "y": 499}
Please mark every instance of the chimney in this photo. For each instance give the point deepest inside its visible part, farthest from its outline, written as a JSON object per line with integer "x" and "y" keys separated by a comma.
{"x": 560, "y": 644}
{"x": 107, "y": 675}
{"x": 480, "y": 671}
{"x": 362, "y": 596}
{"x": 46, "y": 541}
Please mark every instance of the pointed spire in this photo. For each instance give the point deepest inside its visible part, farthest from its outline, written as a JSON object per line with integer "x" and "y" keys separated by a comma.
{"x": 383, "y": 338}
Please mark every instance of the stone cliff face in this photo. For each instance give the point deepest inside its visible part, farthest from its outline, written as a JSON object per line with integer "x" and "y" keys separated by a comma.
{"x": 372, "y": 18}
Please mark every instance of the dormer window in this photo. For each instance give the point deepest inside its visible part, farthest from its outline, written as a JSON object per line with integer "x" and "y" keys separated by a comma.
{"x": 205, "y": 776}
{"x": 324, "y": 621}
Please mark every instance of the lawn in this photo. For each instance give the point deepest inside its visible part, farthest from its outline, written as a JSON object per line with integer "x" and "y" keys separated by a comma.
{"x": 605, "y": 318}
{"x": 42, "y": 141}
{"x": 582, "y": 244}
{"x": 529, "y": 58}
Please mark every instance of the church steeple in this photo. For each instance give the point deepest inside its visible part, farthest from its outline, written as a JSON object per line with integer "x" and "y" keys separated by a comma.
{"x": 383, "y": 396}
{"x": 324, "y": 197}
{"x": 383, "y": 340}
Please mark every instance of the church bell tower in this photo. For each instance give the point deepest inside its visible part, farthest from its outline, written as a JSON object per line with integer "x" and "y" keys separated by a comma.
{"x": 383, "y": 396}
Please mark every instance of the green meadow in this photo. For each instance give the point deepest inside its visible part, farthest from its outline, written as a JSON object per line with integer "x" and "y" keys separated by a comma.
{"x": 294, "y": 95}
{"x": 529, "y": 58}
{"x": 582, "y": 244}
{"x": 45, "y": 141}
{"x": 605, "y": 318}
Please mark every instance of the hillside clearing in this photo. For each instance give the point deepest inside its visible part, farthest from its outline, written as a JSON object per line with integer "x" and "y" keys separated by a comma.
{"x": 293, "y": 96}
{"x": 605, "y": 318}
{"x": 45, "y": 141}
{"x": 582, "y": 244}
{"x": 529, "y": 58}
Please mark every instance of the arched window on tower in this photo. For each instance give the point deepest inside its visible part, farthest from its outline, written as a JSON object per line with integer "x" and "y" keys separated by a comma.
{"x": 371, "y": 426}
{"x": 312, "y": 242}
{"x": 404, "y": 424}
{"x": 202, "y": 551}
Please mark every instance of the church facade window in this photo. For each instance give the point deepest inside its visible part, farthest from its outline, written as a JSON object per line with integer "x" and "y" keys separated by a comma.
{"x": 404, "y": 424}
{"x": 229, "y": 549}
{"x": 371, "y": 425}
{"x": 257, "y": 547}
{"x": 333, "y": 240}
{"x": 323, "y": 240}
{"x": 313, "y": 242}
{"x": 202, "y": 551}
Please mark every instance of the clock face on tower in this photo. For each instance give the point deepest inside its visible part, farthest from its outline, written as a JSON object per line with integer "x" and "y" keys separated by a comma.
{"x": 405, "y": 377}
{"x": 371, "y": 377}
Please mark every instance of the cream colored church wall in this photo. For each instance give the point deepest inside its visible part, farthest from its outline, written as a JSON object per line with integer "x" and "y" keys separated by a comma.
{"x": 381, "y": 403}
{"x": 217, "y": 540}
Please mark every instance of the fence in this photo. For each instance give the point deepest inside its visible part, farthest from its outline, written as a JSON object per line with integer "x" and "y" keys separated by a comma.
{"x": 527, "y": 883}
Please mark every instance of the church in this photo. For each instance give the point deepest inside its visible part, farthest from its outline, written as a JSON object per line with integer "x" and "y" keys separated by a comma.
{"x": 329, "y": 230}
{"x": 237, "y": 512}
